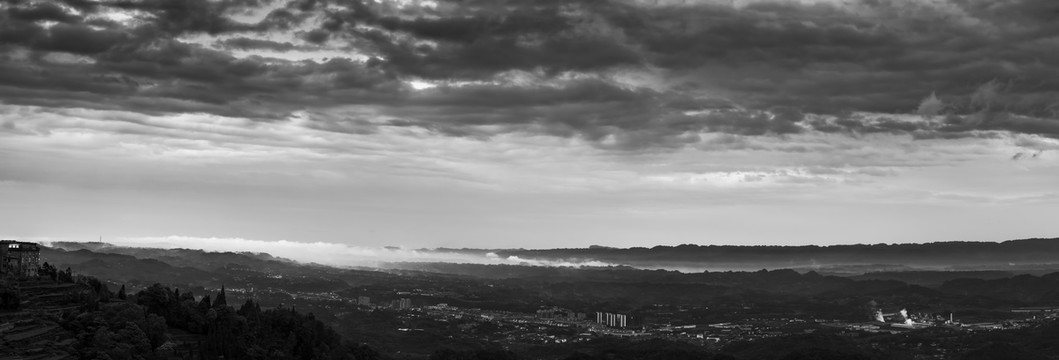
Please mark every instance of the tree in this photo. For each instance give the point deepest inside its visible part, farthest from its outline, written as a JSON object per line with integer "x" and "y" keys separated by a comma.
{"x": 204, "y": 304}
{"x": 121, "y": 292}
{"x": 100, "y": 289}
{"x": 250, "y": 309}
{"x": 65, "y": 276}
{"x": 220, "y": 301}
{"x": 155, "y": 330}
{"x": 187, "y": 295}
{"x": 49, "y": 270}
{"x": 155, "y": 299}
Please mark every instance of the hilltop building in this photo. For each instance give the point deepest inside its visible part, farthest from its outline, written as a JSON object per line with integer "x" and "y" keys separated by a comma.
{"x": 19, "y": 258}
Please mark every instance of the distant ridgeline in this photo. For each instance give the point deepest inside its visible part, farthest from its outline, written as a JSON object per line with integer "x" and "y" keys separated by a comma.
{"x": 928, "y": 255}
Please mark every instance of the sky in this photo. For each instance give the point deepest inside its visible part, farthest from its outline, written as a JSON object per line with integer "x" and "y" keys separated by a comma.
{"x": 528, "y": 124}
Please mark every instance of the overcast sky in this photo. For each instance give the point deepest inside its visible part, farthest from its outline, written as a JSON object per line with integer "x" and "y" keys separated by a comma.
{"x": 535, "y": 123}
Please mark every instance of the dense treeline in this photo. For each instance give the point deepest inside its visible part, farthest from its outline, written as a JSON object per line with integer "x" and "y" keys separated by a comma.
{"x": 249, "y": 332}
{"x": 118, "y": 331}
{"x": 108, "y": 325}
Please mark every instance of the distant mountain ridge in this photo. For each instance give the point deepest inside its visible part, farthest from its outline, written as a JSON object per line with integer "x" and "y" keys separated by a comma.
{"x": 1032, "y": 256}
{"x": 956, "y": 254}
{"x": 213, "y": 269}
{"x": 145, "y": 266}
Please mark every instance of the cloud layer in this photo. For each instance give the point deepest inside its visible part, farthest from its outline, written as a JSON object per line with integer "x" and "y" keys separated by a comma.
{"x": 464, "y": 123}
{"x": 621, "y": 74}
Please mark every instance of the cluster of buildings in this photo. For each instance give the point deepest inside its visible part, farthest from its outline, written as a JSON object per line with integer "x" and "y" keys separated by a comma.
{"x": 399, "y": 304}
{"x": 612, "y": 319}
{"x": 19, "y": 258}
{"x": 556, "y": 312}
{"x": 902, "y": 319}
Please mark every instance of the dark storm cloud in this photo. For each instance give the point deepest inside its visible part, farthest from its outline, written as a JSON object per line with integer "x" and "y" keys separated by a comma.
{"x": 1031, "y": 17}
{"x": 72, "y": 38}
{"x": 589, "y": 108}
{"x": 883, "y": 56}
{"x": 186, "y": 78}
{"x": 281, "y": 19}
{"x": 593, "y": 110}
{"x": 243, "y": 43}
{"x": 176, "y": 17}
{"x": 788, "y": 37}
{"x": 81, "y": 39}
{"x": 42, "y": 11}
{"x": 127, "y": 67}
{"x": 483, "y": 42}
{"x": 751, "y": 70}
